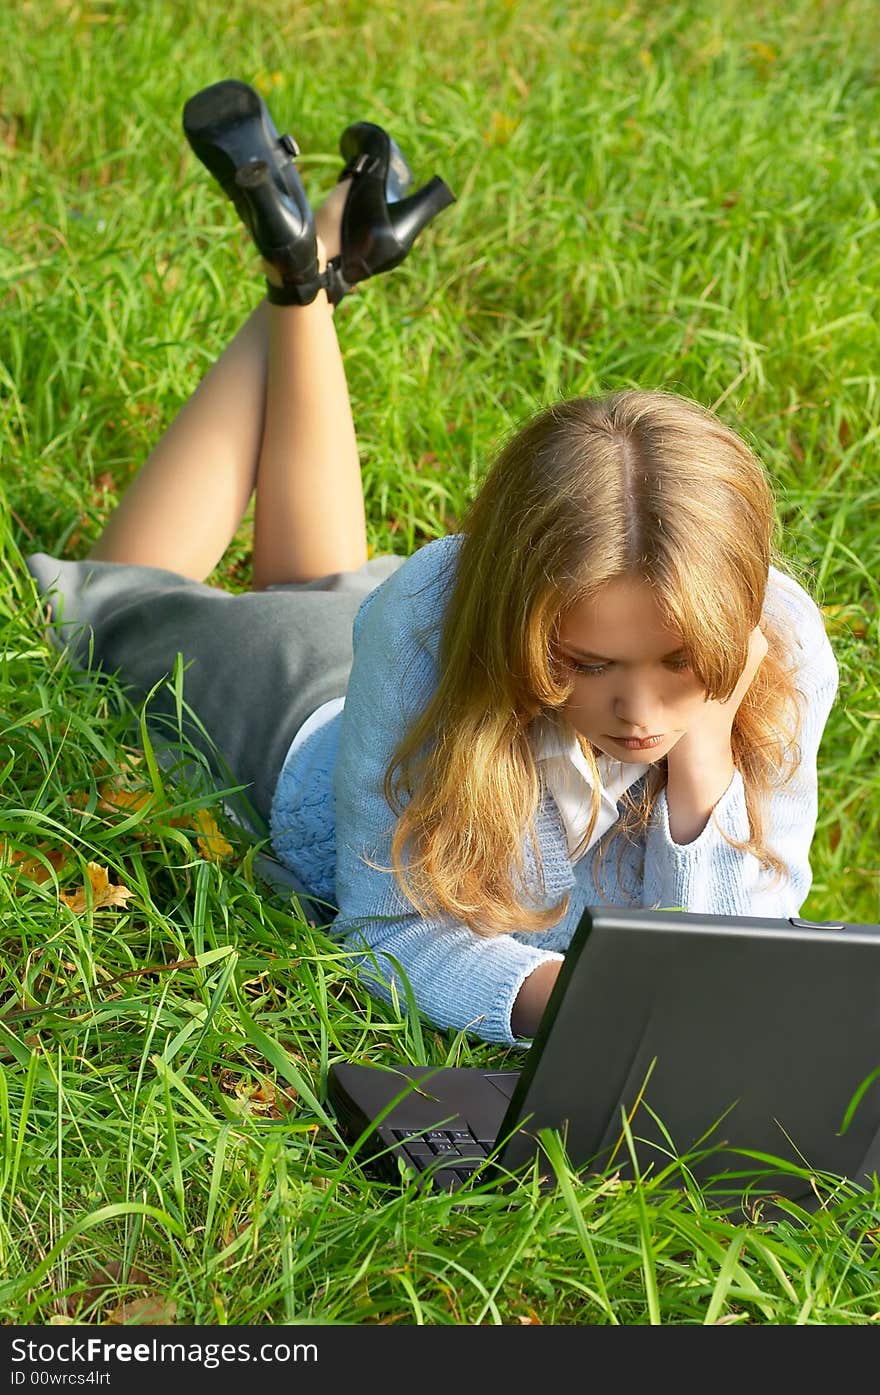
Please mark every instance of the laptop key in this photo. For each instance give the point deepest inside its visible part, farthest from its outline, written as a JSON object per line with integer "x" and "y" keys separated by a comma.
{"x": 443, "y": 1147}
{"x": 421, "y": 1162}
{"x": 445, "y": 1180}
{"x": 468, "y": 1146}
{"x": 464, "y": 1174}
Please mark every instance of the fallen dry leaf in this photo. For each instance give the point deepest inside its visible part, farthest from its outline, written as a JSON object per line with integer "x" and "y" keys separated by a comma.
{"x": 212, "y": 845}
{"x": 152, "y": 1311}
{"x": 112, "y": 795}
{"x": 261, "y": 1097}
{"x": 104, "y": 893}
{"x": 33, "y": 867}
{"x": 106, "y": 1276}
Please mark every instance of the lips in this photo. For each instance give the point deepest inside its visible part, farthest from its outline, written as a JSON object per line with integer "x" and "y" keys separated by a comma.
{"x": 633, "y": 743}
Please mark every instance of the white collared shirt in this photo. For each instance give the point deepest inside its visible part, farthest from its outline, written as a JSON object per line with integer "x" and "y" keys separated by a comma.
{"x": 567, "y": 776}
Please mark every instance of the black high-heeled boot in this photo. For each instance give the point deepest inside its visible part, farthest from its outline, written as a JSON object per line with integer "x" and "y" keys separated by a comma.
{"x": 379, "y": 223}
{"x": 232, "y": 133}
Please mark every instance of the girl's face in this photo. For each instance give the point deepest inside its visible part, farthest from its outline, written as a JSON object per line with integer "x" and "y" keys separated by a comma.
{"x": 634, "y": 695}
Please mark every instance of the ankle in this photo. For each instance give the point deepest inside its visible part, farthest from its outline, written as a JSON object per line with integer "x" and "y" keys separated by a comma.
{"x": 275, "y": 279}
{"x": 328, "y": 219}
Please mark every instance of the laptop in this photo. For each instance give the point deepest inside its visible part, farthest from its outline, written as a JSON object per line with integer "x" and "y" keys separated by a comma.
{"x": 749, "y": 1047}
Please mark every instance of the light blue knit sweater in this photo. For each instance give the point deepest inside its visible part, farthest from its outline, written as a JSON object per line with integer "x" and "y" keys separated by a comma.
{"x": 329, "y": 817}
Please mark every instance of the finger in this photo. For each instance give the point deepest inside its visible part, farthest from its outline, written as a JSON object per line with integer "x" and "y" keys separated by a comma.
{"x": 758, "y": 647}
{"x": 757, "y": 652}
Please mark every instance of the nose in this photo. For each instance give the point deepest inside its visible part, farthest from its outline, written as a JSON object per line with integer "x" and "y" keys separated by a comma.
{"x": 638, "y": 707}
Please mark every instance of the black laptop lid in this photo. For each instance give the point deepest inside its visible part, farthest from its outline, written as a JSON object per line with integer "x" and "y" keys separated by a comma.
{"x": 773, "y": 1024}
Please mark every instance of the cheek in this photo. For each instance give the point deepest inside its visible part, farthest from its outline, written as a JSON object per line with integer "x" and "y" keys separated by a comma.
{"x": 689, "y": 696}
{"x": 588, "y": 695}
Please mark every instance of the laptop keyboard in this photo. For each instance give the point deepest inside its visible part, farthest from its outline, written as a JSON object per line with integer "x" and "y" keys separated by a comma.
{"x": 453, "y": 1155}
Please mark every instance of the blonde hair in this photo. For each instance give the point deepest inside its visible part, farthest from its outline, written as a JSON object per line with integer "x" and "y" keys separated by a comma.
{"x": 643, "y": 483}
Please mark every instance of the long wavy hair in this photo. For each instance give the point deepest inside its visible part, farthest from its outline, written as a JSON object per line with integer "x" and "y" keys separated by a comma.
{"x": 637, "y": 483}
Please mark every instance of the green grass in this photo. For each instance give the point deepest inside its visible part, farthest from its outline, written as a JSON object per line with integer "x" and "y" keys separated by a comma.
{"x": 680, "y": 196}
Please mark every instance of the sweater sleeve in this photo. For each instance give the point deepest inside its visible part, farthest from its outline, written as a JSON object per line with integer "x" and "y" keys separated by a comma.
{"x": 709, "y": 874}
{"x": 458, "y": 979}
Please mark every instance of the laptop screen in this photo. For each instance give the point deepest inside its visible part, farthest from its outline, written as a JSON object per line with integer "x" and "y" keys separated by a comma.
{"x": 713, "y": 1034}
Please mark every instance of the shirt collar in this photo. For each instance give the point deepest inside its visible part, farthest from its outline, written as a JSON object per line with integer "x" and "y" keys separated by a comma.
{"x": 552, "y": 738}
{"x": 567, "y": 775}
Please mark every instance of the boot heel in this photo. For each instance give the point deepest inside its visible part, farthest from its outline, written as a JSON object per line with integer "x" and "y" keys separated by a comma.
{"x": 410, "y": 215}
{"x": 381, "y": 219}
{"x": 232, "y": 133}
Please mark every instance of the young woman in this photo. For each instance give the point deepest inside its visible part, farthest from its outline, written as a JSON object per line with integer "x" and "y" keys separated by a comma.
{"x": 601, "y": 689}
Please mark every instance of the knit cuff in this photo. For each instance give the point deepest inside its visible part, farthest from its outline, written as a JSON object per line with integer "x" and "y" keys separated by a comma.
{"x": 703, "y": 874}
{"x": 458, "y": 979}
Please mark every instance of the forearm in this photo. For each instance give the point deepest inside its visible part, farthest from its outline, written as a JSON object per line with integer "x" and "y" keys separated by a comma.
{"x": 715, "y": 873}
{"x": 693, "y": 789}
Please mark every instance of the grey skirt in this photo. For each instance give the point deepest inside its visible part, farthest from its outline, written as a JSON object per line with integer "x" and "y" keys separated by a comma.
{"x": 255, "y": 665}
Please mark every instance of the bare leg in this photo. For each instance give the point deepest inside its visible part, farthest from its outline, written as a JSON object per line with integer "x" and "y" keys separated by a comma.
{"x": 272, "y": 414}
{"x": 309, "y": 518}
{"x": 188, "y": 498}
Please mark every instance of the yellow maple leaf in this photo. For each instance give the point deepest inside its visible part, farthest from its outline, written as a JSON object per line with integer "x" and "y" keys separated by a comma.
{"x": 116, "y": 796}
{"x": 32, "y": 867}
{"x": 104, "y": 893}
{"x": 212, "y": 845}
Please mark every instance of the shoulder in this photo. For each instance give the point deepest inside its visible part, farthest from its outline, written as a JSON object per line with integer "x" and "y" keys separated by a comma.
{"x": 417, "y": 591}
{"x": 787, "y": 598}
{"x": 432, "y": 565}
{"x": 800, "y": 618}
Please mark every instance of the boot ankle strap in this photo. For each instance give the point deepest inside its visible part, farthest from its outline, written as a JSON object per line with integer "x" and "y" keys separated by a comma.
{"x": 297, "y": 292}
{"x": 303, "y": 292}
{"x": 337, "y": 286}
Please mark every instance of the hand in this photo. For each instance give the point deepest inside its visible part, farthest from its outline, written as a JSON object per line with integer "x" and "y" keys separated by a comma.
{"x": 708, "y": 736}
{"x": 533, "y": 997}
{"x": 758, "y": 648}
{"x": 700, "y": 765}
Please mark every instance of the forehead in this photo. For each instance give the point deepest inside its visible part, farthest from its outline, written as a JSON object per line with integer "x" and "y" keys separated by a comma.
{"x": 622, "y": 621}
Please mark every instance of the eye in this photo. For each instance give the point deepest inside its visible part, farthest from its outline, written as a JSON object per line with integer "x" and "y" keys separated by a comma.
{"x": 679, "y": 665}
{"x": 587, "y": 670}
